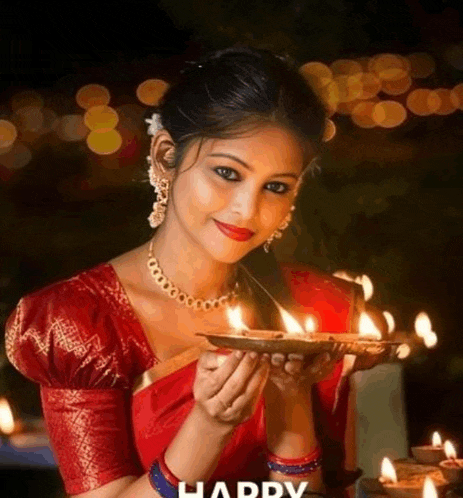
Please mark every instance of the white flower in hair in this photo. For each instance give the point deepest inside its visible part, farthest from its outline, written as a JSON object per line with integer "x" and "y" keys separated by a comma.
{"x": 154, "y": 124}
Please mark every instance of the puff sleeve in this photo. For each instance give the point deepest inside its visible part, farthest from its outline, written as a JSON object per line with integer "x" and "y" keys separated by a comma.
{"x": 67, "y": 339}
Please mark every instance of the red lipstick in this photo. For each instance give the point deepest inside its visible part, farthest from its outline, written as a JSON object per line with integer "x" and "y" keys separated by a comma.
{"x": 235, "y": 233}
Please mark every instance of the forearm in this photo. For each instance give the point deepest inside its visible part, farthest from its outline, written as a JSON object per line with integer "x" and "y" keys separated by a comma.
{"x": 291, "y": 432}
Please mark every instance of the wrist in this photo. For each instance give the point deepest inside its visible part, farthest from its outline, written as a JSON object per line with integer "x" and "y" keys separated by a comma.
{"x": 209, "y": 425}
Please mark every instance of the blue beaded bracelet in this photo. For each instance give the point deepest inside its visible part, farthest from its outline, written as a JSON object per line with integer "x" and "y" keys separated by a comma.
{"x": 160, "y": 483}
{"x": 303, "y": 469}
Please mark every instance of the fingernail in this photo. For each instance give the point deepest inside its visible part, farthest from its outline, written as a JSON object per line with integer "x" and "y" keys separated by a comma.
{"x": 253, "y": 355}
{"x": 326, "y": 357}
{"x": 264, "y": 358}
{"x": 238, "y": 354}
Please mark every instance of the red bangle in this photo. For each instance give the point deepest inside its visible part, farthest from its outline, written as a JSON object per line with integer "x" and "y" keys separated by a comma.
{"x": 295, "y": 461}
{"x": 170, "y": 478}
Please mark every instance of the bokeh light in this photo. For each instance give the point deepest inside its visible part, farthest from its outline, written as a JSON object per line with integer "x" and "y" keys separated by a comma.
{"x": 397, "y": 86}
{"x": 104, "y": 141}
{"x": 371, "y": 85}
{"x": 389, "y": 66}
{"x": 17, "y": 157}
{"x": 151, "y": 91}
{"x": 389, "y": 114}
{"x": 132, "y": 113}
{"x": 92, "y": 95}
{"x": 8, "y": 134}
{"x": 71, "y": 128}
{"x": 101, "y": 117}
{"x": 349, "y": 87}
{"x": 347, "y": 67}
{"x": 28, "y": 119}
{"x": 27, "y": 98}
{"x": 422, "y": 64}
{"x": 458, "y": 94}
{"x": 346, "y": 108}
{"x": 449, "y": 101}
{"x": 423, "y": 101}
{"x": 362, "y": 114}
{"x": 330, "y": 131}
{"x": 454, "y": 56}
{"x": 329, "y": 95}
{"x": 317, "y": 74}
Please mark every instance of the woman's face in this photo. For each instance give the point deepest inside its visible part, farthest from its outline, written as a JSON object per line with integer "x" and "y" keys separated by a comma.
{"x": 230, "y": 195}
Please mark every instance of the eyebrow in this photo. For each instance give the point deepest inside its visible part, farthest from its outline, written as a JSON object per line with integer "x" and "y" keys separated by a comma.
{"x": 245, "y": 165}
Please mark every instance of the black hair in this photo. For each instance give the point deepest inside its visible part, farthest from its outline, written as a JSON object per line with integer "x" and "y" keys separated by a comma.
{"x": 235, "y": 90}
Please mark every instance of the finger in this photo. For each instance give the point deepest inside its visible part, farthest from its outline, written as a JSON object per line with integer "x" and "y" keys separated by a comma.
{"x": 236, "y": 382}
{"x": 293, "y": 367}
{"x": 210, "y": 360}
{"x": 295, "y": 356}
{"x": 278, "y": 359}
{"x": 254, "y": 387}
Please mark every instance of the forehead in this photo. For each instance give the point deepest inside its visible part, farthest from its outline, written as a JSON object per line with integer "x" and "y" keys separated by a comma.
{"x": 267, "y": 148}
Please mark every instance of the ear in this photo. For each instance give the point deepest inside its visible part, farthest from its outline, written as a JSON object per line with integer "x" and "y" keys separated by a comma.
{"x": 162, "y": 153}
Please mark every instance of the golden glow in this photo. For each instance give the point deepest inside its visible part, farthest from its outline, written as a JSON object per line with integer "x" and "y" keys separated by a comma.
{"x": 449, "y": 102}
{"x": 101, "y": 117}
{"x": 346, "y": 66}
{"x": 6, "y": 417}
{"x": 346, "y": 108}
{"x": 317, "y": 74}
{"x": 344, "y": 275}
{"x": 349, "y": 87}
{"x": 429, "y": 489}
{"x": 389, "y": 114}
{"x": 371, "y": 85}
{"x": 388, "y": 472}
{"x": 423, "y": 101}
{"x": 330, "y": 131}
{"x": 367, "y": 286}
{"x": 329, "y": 95}
{"x": 436, "y": 440}
{"x": 397, "y": 86}
{"x": 362, "y": 114}
{"x": 457, "y": 93}
{"x": 28, "y": 98}
{"x": 430, "y": 339}
{"x": 235, "y": 318}
{"x": 449, "y": 450}
{"x": 291, "y": 325}
{"x": 104, "y": 141}
{"x": 311, "y": 324}
{"x": 71, "y": 128}
{"x": 389, "y": 66}
{"x": 390, "y": 322}
{"x": 92, "y": 95}
{"x": 403, "y": 351}
{"x": 151, "y": 91}
{"x": 422, "y": 324}
{"x": 16, "y": 157}
{"x": 422, "y": 64}
{"x": 367, "y": 328}
{"x": 8, "y": 133}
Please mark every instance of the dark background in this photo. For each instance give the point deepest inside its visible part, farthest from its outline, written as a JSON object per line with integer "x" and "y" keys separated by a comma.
{"x": 388, "y": 202}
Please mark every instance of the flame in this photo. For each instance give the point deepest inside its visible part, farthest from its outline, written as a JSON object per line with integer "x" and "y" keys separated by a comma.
{"x": 403, "y": 351}
{"x": 390, "y": 321}
{"x": 343, "y": 275}
{"x": 367, "y": 286}
{"x": 6, "y": 417}
{"x": 311, "y": 324}
{"x": 235, "y": 319}
{"x": 429, "y": 489}
{"x": 422, "y": 324}
{"x": 424, "y": 330}
{"x": 387, "y": 471}
{"x": 291, "y": 325}
{"x": 449, "y": 450}
{"x": 367, "y": 328}
{"x": 436, "y": 440}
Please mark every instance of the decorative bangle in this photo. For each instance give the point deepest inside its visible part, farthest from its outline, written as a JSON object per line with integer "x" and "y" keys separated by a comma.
{"x": 162, "y": 479}
{"x": 295, "y": 466}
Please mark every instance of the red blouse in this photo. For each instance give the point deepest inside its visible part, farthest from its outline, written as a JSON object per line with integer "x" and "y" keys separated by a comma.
{"x": 82, "y": 342}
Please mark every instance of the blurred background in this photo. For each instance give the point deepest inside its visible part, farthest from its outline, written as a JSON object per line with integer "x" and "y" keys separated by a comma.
{"x": 78, "y": 80}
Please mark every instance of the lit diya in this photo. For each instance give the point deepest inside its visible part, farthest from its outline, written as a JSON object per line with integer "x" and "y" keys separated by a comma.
{"x": 305, "y": 340}
{"x": 430, "y": 454}
{"x": 405, "y": 479}
{"x": 452, "y": 467}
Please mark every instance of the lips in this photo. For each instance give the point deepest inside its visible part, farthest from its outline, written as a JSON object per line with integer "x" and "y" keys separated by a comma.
{"x": 233, "y": 232}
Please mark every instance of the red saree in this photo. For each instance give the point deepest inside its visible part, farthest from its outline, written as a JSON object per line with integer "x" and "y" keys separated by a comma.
{"x": 82, "y": 342}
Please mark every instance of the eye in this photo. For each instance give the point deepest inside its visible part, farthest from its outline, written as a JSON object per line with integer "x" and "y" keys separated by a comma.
{"x": 277, "y": 187}
{"x": 227, "y": 173}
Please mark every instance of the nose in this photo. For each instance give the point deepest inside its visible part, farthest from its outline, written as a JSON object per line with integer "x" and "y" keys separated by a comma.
{"x": 245, "y": 202}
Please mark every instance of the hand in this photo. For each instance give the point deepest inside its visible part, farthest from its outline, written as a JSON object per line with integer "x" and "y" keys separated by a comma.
{"x": 291, "y": 372}
{"x": 227, "y": 389}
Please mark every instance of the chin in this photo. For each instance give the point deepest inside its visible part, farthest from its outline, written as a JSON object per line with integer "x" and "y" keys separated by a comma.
{"x": 230, "y": 256}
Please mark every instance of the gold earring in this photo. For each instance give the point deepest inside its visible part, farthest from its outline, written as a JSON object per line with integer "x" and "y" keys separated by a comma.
{"x": 278, "y": 233}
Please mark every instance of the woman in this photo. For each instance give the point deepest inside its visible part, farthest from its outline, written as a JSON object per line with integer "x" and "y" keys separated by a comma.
{"x": 133, "y": 400}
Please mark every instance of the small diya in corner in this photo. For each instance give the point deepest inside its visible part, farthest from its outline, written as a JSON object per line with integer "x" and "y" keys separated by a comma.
{"x": 452, "y": 467}
{"x": 405, "y": 479}
{"x": 430, "y": 454}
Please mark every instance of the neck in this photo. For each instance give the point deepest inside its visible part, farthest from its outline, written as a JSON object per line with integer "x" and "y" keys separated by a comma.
{"x": 189, "y": 268}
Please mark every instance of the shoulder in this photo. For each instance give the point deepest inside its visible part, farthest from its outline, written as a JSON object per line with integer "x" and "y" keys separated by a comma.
{"x": 72, "y": 333}
{"x": 330, "y": 298}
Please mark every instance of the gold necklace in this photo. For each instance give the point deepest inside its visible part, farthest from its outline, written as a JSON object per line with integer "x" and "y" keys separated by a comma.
{"x": 181, "y": 297}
